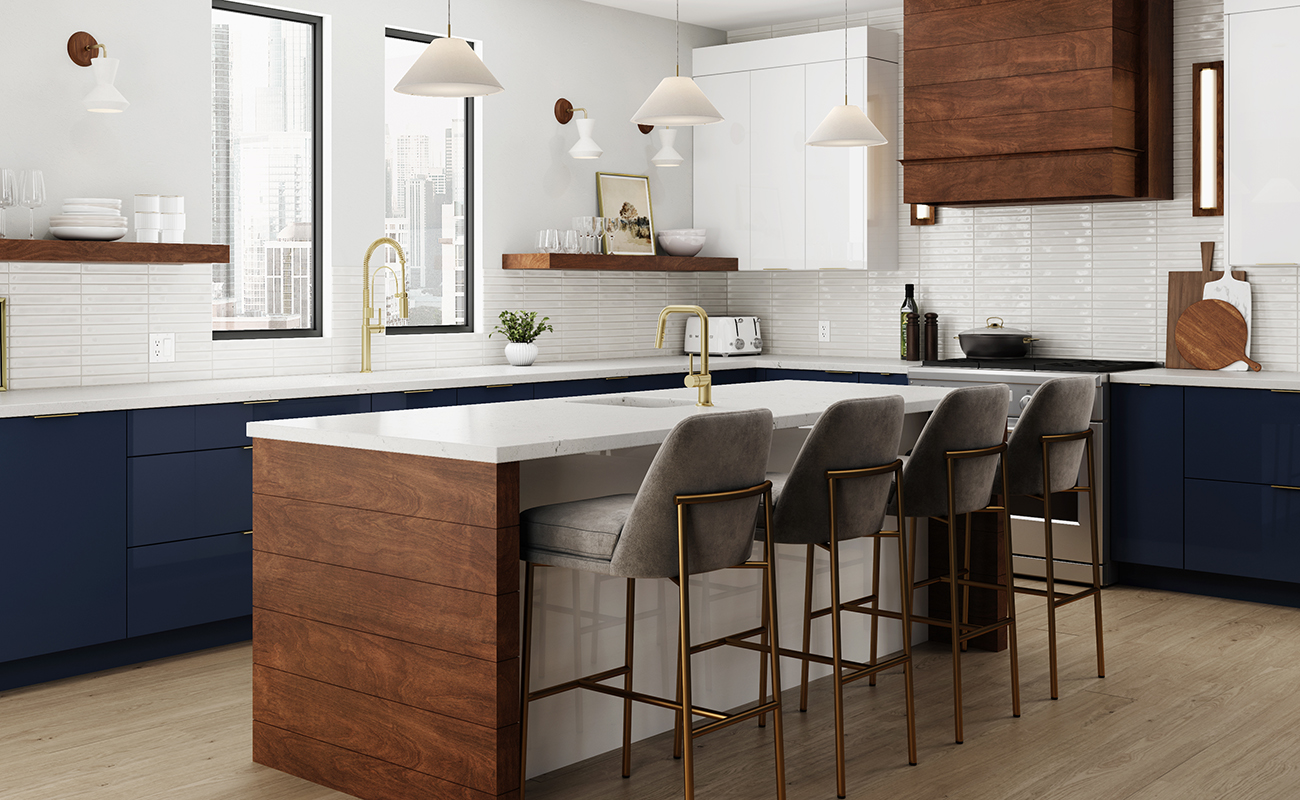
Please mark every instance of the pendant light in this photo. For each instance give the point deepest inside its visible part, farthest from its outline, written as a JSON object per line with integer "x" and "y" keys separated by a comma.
{"x": 846, "y": 125}
{"x": 677, "y": 100}
{"x": 448, "y": 68}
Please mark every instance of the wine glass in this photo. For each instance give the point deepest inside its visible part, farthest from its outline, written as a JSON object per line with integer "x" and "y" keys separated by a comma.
{"x": 609, "y": 225}
{"x": 8, "y": 195}
{"x": 33, "y": 197}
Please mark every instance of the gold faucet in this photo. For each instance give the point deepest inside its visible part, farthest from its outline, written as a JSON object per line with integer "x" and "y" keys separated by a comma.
{"x": 367, "y": 312}
{"x": 701, "y": 380}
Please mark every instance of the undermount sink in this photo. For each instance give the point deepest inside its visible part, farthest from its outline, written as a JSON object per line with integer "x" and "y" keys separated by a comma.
{"x": 633, "y": 401}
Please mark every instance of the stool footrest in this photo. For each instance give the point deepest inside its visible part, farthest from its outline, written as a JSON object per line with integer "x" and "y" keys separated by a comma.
{"x": 584, "y": 682}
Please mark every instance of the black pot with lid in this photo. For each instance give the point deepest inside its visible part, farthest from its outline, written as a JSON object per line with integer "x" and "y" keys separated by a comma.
{"x": 995, "y": 340}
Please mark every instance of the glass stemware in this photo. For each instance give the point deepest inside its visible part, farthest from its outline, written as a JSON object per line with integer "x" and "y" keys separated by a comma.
{"x": 33, "y": 197}
{"x": 8, "y": 195}
{"x": 548, "y": 241}
{"x": 608, "y": 226}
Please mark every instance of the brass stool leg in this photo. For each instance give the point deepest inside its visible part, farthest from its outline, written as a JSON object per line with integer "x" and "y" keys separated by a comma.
{"x": 807, "y": 625}
{"x": 875, "y": 603}
{"x": 525, "y": 676}
{"x": 769, "y": 578}
{"x": 627, "y": 679}
{"x": 1096, "y": 563}
{"x": 953, "y": 616}
{"x": 1050, "y": 574}
{"x": 762, "y": 662}
{"x": 965, "y": 590}
{"x": 684, "y": 654}
{"x": 1010, "y": 589}
{"x": 678, "y": 733}
{"x": 837, "y": 676}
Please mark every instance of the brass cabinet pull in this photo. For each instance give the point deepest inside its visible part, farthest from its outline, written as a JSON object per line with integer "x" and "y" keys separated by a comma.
{"x": 249, "y": 447}
{"x": 1286, "y": 391}
{"x": 499, "y": 386}
{"x": 248, "y": 533}
{"x": 839, "y": 372}
{"x": 615, "y": 377}
{"x": 1292, "y": 488}
{"x": 417, "y": 391}
{"x": 54, "y": 416}
{"x": 259, "y": 402}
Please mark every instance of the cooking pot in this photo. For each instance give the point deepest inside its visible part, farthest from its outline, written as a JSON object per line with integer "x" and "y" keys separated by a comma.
{"x": 995, "y": 340}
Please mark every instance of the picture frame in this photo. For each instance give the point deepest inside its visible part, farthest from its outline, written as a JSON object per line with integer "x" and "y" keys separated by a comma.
{"x": 4, "y": 348}
{"x": 627, "y": 198}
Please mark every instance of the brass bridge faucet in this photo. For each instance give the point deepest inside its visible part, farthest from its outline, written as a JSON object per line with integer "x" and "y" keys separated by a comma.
{"x": 367, "y": 312}
{"x": 701, "y": 380}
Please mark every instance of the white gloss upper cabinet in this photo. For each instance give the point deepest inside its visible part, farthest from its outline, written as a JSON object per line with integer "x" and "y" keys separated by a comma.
{"x": 835, "y": 204}
{"x": 721, "y": 161}
{"x": 1263, "y": 115}
{"x": 776, "y": 195}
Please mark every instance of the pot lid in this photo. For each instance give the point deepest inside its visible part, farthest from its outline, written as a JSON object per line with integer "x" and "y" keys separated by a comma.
{"x": 994, "y": 327}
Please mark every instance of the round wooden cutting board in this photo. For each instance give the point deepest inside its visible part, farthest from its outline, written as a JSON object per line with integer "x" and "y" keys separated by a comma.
{"x": 1211, "y": 334}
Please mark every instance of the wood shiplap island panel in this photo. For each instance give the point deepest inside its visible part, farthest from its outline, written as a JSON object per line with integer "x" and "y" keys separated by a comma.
{"x": 618, "y": 263}
{"x": 57, "y": 250}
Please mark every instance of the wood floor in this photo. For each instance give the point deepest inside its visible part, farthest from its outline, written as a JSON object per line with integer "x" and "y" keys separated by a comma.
{"x": 1202, "y": 700}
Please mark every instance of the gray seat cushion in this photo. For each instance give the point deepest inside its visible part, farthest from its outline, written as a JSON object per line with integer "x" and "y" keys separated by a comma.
{"x": 581, "y": 534}
{"x": 1061, "y": 405}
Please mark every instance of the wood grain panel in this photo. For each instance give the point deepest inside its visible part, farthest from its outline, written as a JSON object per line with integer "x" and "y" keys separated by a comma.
{"x": 479, "y": 625}
{"x": 354, "y": 773}
{"x": 1016, "y": 19}
{"x": 112, "y": 252}
{"x": 470, "y": 492}
{"x": 1077, "y": 129}
{"x": 1155, "y": 101}
{"x": 486, "y": 759}
{"x": 446, "y": 553}
{"x": 618, "y": 263}
{"x": 1081, "y": 50}
{"x": 1021, "y": 179}
{"x": 927, "y": 6}
{"x": 1093, "y": 88}
{"x": 482, "y": 692}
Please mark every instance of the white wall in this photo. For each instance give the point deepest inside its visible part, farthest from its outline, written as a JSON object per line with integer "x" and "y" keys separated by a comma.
{"x": 79, "y": 326}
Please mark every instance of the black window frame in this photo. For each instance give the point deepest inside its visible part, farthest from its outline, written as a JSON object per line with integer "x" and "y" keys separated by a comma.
{"x": 470, "y": 185}
{"x": 318, "y": 169}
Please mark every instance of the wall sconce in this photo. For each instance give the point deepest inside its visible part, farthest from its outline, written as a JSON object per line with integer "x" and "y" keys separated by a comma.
{"x": 667, "y": 155}
{"x": 104, "y": 97}
{"x": 924, "y": 215}
{"x": 1207, "y": 139}
{"x": 586, "y": 146}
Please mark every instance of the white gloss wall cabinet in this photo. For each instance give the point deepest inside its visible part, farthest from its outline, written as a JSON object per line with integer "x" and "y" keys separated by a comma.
{"x": 721, "y": 153}
{"x": 808, "y": 207}
{"x": 1263, "y": 115}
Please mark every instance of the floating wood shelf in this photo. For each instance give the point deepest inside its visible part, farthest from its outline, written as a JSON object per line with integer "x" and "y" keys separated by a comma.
{"x": 112, "y": 252}
{"x": 618, "y": 263}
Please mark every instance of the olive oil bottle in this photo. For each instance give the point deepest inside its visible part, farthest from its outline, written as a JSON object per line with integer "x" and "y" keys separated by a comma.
{"x": 909, "y": 307}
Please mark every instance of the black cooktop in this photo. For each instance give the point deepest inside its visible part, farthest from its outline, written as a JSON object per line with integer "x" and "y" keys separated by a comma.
{"x": 1044, "y": 364}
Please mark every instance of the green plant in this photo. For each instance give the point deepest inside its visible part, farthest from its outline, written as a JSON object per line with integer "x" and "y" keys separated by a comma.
{"x": 521, "y": 327}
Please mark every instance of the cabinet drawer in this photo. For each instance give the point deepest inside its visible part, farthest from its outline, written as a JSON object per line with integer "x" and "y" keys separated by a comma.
{"x": 223, "y": 425}
{"x": 188, "y": 495}
{"x": 894, "y": 378}
{"x": 179, "y": 584}
{"x": 472, "y": 395}
{"x": 160, "y": 430}
{"x": 395, "y": 401}
{"x": 1246, "y": 435}
{"x": 1243, "y": 529}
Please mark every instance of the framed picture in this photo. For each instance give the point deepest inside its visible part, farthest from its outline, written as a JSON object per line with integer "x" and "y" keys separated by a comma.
{"x": 626, "y": 198}
{"x": 4, "y": 350}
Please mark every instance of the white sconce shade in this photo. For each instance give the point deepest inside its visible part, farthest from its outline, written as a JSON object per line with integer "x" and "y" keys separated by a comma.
{"x": 448, "y": 67}
{"x": 586, "y": 146}
{"x": 846, "y": 126}
{"x": 667, "y": 155}
{"x": 105, "y": 98}
{"x": 676, "y": 101}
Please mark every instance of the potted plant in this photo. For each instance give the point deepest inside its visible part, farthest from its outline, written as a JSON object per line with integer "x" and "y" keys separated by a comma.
{"x": 521, "y": 328}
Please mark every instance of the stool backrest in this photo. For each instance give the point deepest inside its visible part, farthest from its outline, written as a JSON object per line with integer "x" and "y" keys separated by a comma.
{"x": 704, "y": 453}
{"x": 1061, "y": 405}
{"x": 965, "y": 419}
{"x": 851, "y": 434}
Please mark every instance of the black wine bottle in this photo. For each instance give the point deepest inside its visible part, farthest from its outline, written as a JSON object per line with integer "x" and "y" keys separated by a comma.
{"x": 909, "y": 307}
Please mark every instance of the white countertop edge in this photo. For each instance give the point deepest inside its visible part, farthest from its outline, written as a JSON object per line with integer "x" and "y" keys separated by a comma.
{"x": 1285, "y": 381}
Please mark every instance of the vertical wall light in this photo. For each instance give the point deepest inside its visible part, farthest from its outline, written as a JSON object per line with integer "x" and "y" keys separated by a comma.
{"x": 1207, "y": 139}
{"x": 924, "y": 215}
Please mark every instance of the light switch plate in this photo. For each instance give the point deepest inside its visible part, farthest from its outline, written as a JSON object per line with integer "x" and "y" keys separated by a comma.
{"x": 824, "y": 331}
{"x": 162, "y": 347}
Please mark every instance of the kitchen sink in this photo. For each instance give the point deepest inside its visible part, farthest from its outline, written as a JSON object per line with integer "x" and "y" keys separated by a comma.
{"x": 633, "y": 401}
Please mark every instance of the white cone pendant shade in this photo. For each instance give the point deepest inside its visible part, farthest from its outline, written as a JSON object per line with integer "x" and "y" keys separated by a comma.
{"x": 667, "y": 156}
{"x": 448, "y": 67}
{"x": 586, "y": 146}
{"x": 676, "y": 101}
{"x": 104, "y": 97}
{"x": 846, "y": 126}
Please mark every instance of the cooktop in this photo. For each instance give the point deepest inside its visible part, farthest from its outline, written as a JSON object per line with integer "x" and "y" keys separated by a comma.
{"x": 1044, "y": 364}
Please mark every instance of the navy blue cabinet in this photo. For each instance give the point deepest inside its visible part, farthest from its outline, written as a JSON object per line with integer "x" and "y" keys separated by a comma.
{"x": 420, "y": 398}
{"x": 730, "y": 376}
{"x": 63, "y": 495}
{"x": 1146, "y": 483}
{"x": 1246, "y": 529}
{"x": 473, "y": 395}
{"x": 1247, "y": 435}
{"x": 811, "y": 375}
{"x": 188, "y": 495}
{"x": 179, "y": 584}
{"x": 579, "y": 388}
{"x": 895, "y": 378}
{"x": 223, "y": 425}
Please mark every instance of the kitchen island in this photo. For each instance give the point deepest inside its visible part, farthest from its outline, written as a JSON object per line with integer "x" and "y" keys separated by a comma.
{"x": 386, "y": 583}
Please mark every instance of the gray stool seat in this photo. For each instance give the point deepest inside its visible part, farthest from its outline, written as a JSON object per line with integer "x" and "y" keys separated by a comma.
{"x": 578, "y": 535}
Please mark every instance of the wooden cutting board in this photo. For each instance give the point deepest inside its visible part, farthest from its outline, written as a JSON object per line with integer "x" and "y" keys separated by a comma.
{"x": 1186, "y": 288}
{"x": 1211, "y": 334}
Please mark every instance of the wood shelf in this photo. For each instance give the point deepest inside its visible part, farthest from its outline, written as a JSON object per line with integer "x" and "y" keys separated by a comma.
{"x": 618, "y": 263}
{"x": 112, "y": 252}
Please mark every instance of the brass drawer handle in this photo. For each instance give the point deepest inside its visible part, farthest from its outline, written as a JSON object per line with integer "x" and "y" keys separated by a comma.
{"x": 1292, "y": 488}
{"x": 499, "y": 386}
{"x": 54, "y": 416}
{"x": 248, "y": 533}
{"x": 249, "y": 447}
{"x": 615, "y": 377}
{"x": 1286, "y": 391}
{"x": 839, "y": 372}
{"x": 417, "y": 391}
{"x": 259, "y": 402}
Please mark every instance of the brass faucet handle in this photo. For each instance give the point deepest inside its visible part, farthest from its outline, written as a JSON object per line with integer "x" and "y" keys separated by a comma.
{"x": 698, "y": 380}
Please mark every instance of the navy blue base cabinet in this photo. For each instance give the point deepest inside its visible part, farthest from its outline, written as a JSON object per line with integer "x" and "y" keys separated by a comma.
{"x": 1246, "y": 529}
{"x": 179, "y": 584}
{"x": 1146, "y": 483}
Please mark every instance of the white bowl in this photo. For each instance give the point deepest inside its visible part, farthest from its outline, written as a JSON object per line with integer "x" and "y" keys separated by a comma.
{"x": 94, "y": 234}
{"x": 682, "y": 241}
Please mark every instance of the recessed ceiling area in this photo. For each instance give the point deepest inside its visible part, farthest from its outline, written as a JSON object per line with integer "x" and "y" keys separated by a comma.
{"x": 732, "y": 15}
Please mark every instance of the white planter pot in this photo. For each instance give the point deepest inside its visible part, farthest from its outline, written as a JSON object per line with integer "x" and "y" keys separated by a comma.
{"x": 521, "y": 354}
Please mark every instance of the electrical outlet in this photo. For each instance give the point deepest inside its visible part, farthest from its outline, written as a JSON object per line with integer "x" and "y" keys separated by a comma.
{"x": 162, "y": 347}
{"x": 824, "y": 331}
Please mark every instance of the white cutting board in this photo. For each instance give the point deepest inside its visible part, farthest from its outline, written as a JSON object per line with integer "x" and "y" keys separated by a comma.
{"x": 1236, "y": 292}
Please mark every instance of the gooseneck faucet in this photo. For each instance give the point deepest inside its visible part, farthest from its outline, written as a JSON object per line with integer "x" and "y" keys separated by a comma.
{"x": 701, "y": 380}
{"x": 367, "y": 312}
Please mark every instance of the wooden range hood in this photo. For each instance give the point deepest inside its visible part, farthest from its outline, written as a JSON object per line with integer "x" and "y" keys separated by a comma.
{"x": 1037, "y": 101}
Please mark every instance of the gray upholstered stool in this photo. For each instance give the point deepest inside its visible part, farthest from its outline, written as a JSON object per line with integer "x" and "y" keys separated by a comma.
{"x": 694, "y": 513}
{"x": 951, "y": 473}
{"x": 838, "y": 489}
{"x": 1043, "y": 456}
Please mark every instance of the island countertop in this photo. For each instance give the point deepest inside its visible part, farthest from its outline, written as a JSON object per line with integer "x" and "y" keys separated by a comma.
{"x": 500, "y": 433}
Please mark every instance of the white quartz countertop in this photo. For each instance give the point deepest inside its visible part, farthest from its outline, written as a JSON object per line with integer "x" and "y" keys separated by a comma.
{"x": 1287, "y": 381}
{"x": 20, "y": 402}
{"x": 531, "y": 429}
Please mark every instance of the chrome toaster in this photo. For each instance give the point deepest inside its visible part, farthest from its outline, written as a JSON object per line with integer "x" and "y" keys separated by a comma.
{"x": 728, "y": 336}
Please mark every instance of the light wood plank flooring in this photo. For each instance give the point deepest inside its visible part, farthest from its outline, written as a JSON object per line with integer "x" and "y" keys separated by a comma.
{"x": 1202, "y": 701}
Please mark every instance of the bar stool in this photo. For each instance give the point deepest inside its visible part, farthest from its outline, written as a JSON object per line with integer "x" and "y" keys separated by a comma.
{"x": 838, "y": 489}
{"x": 693, "y": 513}
{"x": 1043, "y": 456}
{"x": 950, "y": 473}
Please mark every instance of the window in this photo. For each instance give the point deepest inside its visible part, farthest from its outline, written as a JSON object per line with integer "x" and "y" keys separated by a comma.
{"x": 428, "y": 150}
{"x": 266, "y": 167}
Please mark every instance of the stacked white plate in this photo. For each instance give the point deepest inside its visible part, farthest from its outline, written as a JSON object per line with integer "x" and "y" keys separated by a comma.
{"x": 96, "y": 219}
